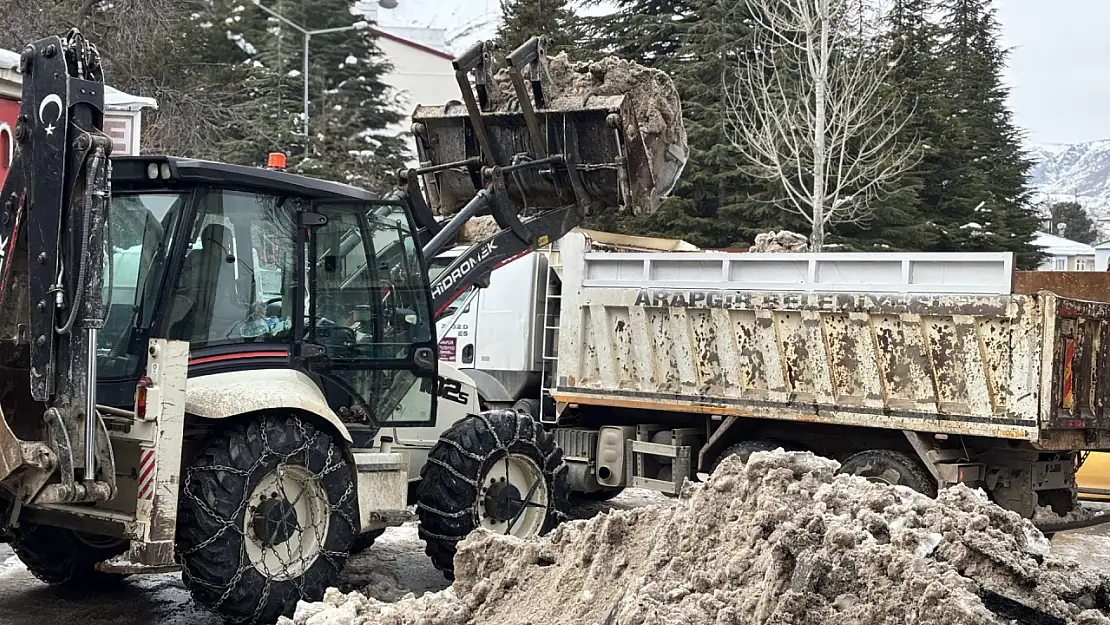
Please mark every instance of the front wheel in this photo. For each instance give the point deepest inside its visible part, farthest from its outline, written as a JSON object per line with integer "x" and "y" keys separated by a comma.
{"x": 63, "y": 557}
{"x": 499, "y": 470}
{"x": 267, "y": 515}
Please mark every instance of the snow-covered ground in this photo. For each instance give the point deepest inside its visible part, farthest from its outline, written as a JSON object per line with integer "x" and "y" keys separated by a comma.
{"x": 394, "y": 566}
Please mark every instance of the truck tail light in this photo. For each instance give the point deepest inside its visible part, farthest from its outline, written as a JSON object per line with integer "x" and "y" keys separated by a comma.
{"x": 141, "y": 387}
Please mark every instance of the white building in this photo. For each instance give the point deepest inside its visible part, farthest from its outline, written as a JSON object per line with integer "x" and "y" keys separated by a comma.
{"x": 1065, "y": 254}
{"x": 421, "y": 74}
{"x": 1102, "y": 256}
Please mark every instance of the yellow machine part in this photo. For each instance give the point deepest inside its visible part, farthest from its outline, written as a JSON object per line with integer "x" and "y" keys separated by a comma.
{"x": 1093, "y": 477}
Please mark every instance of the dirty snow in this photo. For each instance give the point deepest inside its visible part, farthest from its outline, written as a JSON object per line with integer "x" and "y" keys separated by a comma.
{"x": 783, "y": 241}
{"x": 781, "y": 540}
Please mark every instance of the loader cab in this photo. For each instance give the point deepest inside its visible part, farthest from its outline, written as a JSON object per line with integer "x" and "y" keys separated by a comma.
{"x": 260, "y": 269}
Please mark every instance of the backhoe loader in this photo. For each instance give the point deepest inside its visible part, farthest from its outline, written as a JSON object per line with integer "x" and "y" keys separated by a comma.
{"x": 202, "y": 362}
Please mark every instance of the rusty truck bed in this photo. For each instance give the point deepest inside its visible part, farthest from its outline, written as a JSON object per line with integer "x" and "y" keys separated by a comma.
{"x": 926, "y": 342}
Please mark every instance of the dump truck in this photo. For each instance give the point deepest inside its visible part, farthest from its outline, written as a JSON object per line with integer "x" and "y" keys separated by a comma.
{"x": 219, "y": 401}
{"x": 919, "y": 369}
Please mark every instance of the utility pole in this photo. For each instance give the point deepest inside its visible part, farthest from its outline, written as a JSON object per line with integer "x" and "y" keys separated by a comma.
{"x": 308, "y": 34}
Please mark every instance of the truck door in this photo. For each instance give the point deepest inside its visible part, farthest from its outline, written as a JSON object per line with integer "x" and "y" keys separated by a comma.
{"x": 368, "y": 331}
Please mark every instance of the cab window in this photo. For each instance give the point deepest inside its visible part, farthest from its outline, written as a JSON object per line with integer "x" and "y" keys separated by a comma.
{"x": 236, "y": 284}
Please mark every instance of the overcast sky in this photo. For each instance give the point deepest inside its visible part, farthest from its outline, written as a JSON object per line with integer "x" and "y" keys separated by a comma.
{"x": 1059, "y": 67}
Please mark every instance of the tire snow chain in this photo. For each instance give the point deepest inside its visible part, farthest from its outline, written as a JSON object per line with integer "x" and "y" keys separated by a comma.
{"x": 334, "y": 462}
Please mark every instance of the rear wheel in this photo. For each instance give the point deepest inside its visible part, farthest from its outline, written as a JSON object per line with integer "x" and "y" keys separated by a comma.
{"x": 365, "y": 541}
{"x": 268, "y": 514}
{"x": 744, "y": 449}
{"x": 887, "y": 466}
{"x": 499, "y": 470}
{"x": 61, "y": 557}
{"x": 604, "y": 494}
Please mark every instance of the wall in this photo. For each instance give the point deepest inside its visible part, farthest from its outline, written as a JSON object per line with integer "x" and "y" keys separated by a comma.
{"x": 423, "y": 77}
{"x": 9, "y": 110}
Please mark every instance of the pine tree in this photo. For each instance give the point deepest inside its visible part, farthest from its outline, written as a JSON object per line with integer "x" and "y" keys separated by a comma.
{"x": 1078, "y": 225}
{"x": 645, "y": 31}
{"x": 524, "y": 19}
{"x": 354, "y": 117}
{"x": 909, "y": 43}
{"x": 714, "y": 203}
{"x": 983, "y": 201}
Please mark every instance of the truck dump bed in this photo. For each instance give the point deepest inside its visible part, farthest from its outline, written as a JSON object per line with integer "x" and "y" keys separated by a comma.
{"x": 925, "y": 342}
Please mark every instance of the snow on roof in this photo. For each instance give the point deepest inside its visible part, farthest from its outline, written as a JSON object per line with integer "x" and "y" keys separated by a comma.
{"x": 8, "y": 59}
{"x": 1059, "y": 245}
{"x": 1105, "y": 245}
{"x": 114, "y": 99}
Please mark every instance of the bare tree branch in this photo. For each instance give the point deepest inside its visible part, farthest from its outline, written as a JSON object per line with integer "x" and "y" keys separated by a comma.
{"x": 808, "y": 109}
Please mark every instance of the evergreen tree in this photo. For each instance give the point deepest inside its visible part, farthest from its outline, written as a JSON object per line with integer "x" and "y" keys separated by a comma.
{"x": 982, "y": 196}
{"x": 1078, "y": 225}
{"x": 355, "y": 131}
{"x": 645, "y": 31}
{"x": 909, "y": 43}
{"x": 524, "y": 19}
{"x": 714, "y": 204}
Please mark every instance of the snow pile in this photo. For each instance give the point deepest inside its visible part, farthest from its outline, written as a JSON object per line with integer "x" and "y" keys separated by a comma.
{"x": 656, "y": 119}
{"x": 784, "y": 241}
{"x": 781, "y": 540}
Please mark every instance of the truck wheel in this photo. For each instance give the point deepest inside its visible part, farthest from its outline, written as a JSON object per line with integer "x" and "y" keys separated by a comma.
{"x": 268, "y": 512}
{"x": 497, "y": 469}
{"x": 745, "y": 449}
{"x": 604, "y": 494}
{"x": 364, "y": 541}
{"x": 529, "y": 406}
{"x": 60, "y": 556}
{"x": 891, "y": 467}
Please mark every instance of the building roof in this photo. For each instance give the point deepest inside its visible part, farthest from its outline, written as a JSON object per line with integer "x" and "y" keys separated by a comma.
{"x": 1059, "y": 245}
{"x": 399, "y": 37}
{"x": 114, "y": 99}
{"x": 1105, "y": 245}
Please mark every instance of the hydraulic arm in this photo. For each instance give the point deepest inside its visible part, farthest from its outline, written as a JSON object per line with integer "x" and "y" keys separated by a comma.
{"x": 53, "y": 225}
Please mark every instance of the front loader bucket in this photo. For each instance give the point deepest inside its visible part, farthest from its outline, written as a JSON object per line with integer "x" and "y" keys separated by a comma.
{"x": 577, "y": 112}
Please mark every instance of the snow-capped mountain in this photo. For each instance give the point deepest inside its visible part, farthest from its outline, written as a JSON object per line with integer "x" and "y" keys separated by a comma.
{"x": 1074, "y": 172}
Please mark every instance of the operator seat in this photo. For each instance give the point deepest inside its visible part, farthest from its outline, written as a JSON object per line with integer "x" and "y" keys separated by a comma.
{"x": 208, "y": 280}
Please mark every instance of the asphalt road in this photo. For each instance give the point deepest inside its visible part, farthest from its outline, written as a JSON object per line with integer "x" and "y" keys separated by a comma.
{"x": 395, "y": 565}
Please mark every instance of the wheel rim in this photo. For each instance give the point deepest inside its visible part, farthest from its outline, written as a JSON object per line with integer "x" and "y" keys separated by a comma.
{"x": 286, "y": 523}
{"x": 513, "y": 498}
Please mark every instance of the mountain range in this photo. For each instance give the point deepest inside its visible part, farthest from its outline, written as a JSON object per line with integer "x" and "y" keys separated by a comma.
{"x": 1074, "y": 172}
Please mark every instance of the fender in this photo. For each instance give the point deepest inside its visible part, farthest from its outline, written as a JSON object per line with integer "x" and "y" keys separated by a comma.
{"x": 224, "y": 395}
{"x": 489, "y": 387}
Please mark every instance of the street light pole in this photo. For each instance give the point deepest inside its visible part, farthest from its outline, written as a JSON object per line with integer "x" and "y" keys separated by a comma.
{"x": 308, "y": 37}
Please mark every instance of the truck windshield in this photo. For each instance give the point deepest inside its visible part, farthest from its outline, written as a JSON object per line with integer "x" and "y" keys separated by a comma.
{"x": 140, "y": 231}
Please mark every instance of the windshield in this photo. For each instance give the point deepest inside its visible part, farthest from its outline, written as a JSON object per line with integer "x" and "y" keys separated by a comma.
{"x": 140, "y": 232}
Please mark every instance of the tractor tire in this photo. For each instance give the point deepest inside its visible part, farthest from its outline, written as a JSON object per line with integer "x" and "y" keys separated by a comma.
{"x": 529, "y": 406}
{"x": 364, "y": 541}
{"x": 242, "y": 557}
{"x": 480, "y": 473}
{"x": 63, "y": 557}
{"x": 598, "y": 496}
{"x": 891, "y": 467}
